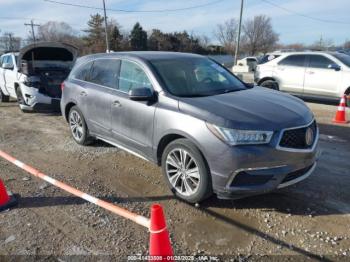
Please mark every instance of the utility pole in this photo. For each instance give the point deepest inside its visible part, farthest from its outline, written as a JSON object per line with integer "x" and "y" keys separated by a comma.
{"x": 106, "y": 29}
{"x": 32, "y": 25}
{"x": 239, "y": 32}
{"x": 10, "y": 46}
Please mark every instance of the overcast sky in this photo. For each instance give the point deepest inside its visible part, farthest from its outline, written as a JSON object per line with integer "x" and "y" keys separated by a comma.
{"x": 291, "y": 27}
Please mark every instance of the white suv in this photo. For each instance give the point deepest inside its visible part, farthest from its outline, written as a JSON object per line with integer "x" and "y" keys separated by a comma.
{"x": 310, "y": 74}
{"x": 34, "y": 75}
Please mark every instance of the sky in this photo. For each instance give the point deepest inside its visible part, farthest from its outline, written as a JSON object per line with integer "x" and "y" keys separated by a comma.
{"x": 292, "y": 28}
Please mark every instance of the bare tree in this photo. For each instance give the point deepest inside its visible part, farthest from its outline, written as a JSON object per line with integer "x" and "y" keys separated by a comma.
{"x": 9, "y": 42}
{"x": 259, "y": 35}
{"x": 226, "y": 34}
{"x": 56, "y": 31}
{"x": 347, "y": 45}
{"x": 322, "y": 44}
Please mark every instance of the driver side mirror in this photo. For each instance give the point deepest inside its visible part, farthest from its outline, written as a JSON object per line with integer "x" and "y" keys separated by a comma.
{"x": 334, "y": 67}
{"x": 7, "y": 66}
{"x": 141, "y": 94}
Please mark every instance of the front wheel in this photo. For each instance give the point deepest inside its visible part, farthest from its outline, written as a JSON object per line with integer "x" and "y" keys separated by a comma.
{"x": 20, "y": 100}
{"x": 270, "y": 84}
{"x": 186, "y": 171}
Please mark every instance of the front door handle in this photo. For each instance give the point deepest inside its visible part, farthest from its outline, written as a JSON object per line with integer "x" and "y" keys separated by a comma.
{"x": 117, "y": 103}
{"x": 311, "y": 72}
{"x": 83, "y": 93}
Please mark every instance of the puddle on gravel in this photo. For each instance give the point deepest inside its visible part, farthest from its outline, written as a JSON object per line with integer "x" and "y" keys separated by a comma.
{"x": 215, "y": 236}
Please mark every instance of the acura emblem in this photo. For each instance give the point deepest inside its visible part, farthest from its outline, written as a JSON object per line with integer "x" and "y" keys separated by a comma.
{"x": 309, "y": 136}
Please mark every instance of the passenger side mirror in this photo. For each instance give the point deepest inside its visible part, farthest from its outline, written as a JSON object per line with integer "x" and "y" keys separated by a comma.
{"x": 334, "y": 67}
{"x": 141, "y": 94}
{"x": 7, "y": 66}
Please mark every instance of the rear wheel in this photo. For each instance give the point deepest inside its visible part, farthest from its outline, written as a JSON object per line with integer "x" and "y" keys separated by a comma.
{"x": 4, "y": 98}
{"x": 271, "y": 84}
{"x": 78, "y": 127}
{"x": 186, "y": 171}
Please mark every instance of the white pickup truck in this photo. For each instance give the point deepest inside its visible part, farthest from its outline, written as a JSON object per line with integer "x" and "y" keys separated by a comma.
{"x": 33, "y": 76}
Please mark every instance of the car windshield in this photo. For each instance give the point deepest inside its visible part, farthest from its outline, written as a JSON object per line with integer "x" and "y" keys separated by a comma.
{"x": 345, "y": 59}
{"x": 192, "y": 77}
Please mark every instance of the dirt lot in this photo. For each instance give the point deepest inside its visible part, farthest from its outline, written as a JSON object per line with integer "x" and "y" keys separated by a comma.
{"x": 310, "y": 219}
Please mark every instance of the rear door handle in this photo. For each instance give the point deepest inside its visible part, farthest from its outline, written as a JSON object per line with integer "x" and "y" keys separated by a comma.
{"x": 83, "y": 93}
{"x": 117, "y": 103}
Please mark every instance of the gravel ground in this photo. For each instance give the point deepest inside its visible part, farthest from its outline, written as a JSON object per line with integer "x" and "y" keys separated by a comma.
{"x": 308, "y": 220}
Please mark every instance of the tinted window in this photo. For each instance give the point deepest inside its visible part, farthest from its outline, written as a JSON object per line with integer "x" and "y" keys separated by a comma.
{"x": 105, "y": 72}
{"x": 82, "y": 73}
{"x": 343, "y": 58}
{"x": 319, "y": 61}
{"x": 132, "y": 76}
{"x": 293, "y": 60}
{"x": 267, "y": 58}
{"x": 196, "y": 77}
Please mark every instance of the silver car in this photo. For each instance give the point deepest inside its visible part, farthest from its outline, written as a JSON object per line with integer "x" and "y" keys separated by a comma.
{"x": 210, "y": 132}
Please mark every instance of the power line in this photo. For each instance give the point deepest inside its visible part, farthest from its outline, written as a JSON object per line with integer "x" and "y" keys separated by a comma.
{"x": 305, "y": 16}
{"x": 136, "y": 11}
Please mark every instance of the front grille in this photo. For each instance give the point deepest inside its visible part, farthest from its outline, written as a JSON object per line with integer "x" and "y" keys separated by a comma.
{"x": 296, "y": 138}
{"x": 296, "y": 174}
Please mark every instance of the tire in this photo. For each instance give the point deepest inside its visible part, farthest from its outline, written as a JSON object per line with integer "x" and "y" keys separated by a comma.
{"x": 20, "y": 100}
{"x": 78, "y": 127}
{"x": 4, "y": 98}
{"x": 271, "y": 84}
{"x": 347, "y": 100}
{"x": 198, "y": 185}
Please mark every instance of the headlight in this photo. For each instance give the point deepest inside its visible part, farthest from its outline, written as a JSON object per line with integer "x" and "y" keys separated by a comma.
{"x": 240, "y": 137}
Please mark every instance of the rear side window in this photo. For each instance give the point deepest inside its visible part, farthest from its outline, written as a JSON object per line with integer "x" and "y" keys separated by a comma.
{"x": 105, "y": 72}
{"x": 293, "y": 60}
{"x": 82, "y": 73}
{"x": 319, "y": 61}
{"x": 267, "y": 58}
{"x": 132, "y": 76}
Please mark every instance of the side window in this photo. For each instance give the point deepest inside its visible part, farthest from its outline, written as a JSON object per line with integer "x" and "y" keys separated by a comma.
{"x": 9, "y": 60}
{"x": 82, "y": 73}
{"x": 293, "y": 60}
{"x": 132, "y": 76}
{"x": 105, "y": 72}
{"x": 319, "y": 61}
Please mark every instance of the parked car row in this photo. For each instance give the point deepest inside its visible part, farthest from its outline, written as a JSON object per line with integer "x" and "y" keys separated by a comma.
{"x": 209, "y": 131}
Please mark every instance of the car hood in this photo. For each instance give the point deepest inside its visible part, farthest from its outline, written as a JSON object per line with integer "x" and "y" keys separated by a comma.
{"x": 48, "y": 51}
{"x": 254, "y": 109}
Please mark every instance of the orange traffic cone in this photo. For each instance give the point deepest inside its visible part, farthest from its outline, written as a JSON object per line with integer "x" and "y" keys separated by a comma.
{"x": 6, "y": 200}
{"x": 159, "y": 244}
{"x": 340, "y": 116}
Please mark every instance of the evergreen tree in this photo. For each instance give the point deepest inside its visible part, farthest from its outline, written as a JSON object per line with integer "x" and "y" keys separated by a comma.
{"x": 95, "y": 38}
{"x": 138, "y": 38}
{"x": 116, "y": 38}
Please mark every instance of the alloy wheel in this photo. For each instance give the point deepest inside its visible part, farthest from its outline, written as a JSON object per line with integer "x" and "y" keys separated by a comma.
{"x": 182, "y": 171}
{"x": 76, "y": 125}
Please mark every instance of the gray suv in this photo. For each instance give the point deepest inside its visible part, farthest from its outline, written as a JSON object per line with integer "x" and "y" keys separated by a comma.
{"x": 210, "y": 132}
